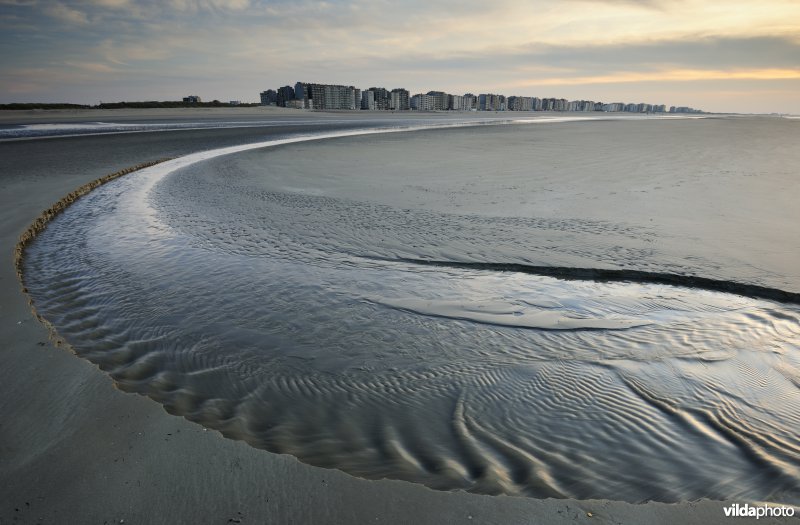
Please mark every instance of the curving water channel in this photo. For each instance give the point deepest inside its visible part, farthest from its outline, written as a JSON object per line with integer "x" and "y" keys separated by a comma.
{"x": 377, "y": 305}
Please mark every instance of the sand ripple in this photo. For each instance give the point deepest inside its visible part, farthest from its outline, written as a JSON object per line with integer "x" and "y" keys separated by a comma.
{"x": 393, "y": 342}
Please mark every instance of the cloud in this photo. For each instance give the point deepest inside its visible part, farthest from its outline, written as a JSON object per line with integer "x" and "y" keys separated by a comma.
{"x": 95, "y": 67}
{"x": 196, "y": 6}
{"x": 22, "y": 88}
{"x": 659, "y": 5}
{"x": 67, "y": 14}
{"x": 548, "y": 61}
{"x": 667, "y": 75}
{"x": 699, "y": 52}
{"x": 114, "y": 4}
{"x": 124, "y": 50}
{"x": 249, "y": 45}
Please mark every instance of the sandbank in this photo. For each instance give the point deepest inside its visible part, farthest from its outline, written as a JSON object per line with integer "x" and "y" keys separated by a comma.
{"x": 73, "y": 449}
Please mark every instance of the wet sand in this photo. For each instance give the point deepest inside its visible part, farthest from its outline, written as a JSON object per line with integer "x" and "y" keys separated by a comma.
{"x": 76, "y": 450}
{"x": 34, "y": 116}
{"x": 28, "y": 116}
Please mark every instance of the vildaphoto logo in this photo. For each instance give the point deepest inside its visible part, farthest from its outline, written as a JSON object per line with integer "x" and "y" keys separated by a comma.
{"x": 757, "y": 511}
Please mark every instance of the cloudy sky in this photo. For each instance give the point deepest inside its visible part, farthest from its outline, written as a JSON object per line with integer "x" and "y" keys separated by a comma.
{"x": 731, "y": 55}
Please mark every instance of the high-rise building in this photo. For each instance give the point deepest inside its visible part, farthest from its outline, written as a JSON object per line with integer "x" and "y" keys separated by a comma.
{"x": 368, "y": 100}
{"x": 423, "y": 102}
{"x": 439, "y": 100}
{"x": 683, "y": 109}
{"x": 470, "y": 102}
{"x": 455, "y": 102}
{"x": 301, "y": 93}
{"x": 269, "y": 97}
{"x": 316, "y": 96}
{"x": 284, "y": 95}
{"x": 491, "y": 102}
{"x": 382, "y": 97}
{"x": 328, "y": 96}
{"x": 399, "y": 100}
{"x": 338, "y": 97}
{"x": 520, "y": 104}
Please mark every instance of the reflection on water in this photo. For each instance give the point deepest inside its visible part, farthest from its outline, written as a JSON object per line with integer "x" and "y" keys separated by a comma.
{"x": 296, "y": 321}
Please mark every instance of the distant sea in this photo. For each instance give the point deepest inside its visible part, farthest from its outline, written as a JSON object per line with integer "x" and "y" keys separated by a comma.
{"x": 476, "y": 307}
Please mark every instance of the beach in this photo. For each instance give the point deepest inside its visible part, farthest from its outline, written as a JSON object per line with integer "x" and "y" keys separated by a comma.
{"x": 77, "y": 450}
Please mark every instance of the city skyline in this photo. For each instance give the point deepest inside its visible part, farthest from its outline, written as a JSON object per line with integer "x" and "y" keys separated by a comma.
{"x": 721, "y": 57}
{"x": 314, "y": 95}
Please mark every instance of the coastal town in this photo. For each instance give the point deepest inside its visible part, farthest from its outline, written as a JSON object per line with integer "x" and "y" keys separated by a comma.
{"x": 305, "y": 95}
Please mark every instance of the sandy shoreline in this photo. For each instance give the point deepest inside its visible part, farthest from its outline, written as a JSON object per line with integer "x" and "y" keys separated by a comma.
{"x": 73, "y": 449}
{"x": 35, "y": 116}
{"x": 38, "y": 116}
{"x": 25, "y": 116}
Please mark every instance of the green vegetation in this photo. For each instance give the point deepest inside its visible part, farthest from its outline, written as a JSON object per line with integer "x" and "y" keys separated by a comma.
{"x": 168, "y": 104}
{"x": 38, "y": 105}
{"x": 126, "y": 105}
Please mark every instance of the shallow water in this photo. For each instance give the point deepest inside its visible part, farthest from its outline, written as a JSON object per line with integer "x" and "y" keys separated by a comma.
{"x": 345, "y": 301}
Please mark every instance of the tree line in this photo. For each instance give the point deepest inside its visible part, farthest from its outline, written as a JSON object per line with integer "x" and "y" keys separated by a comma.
{"x": 124, "y": 105}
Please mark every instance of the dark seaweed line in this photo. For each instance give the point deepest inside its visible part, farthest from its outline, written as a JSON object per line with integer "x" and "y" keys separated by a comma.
{"x": 41, "y": 222}
{"x": 620, "y": 275}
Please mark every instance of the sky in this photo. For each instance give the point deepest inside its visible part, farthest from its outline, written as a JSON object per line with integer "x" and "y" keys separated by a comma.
{"x": 723, "y": 56}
